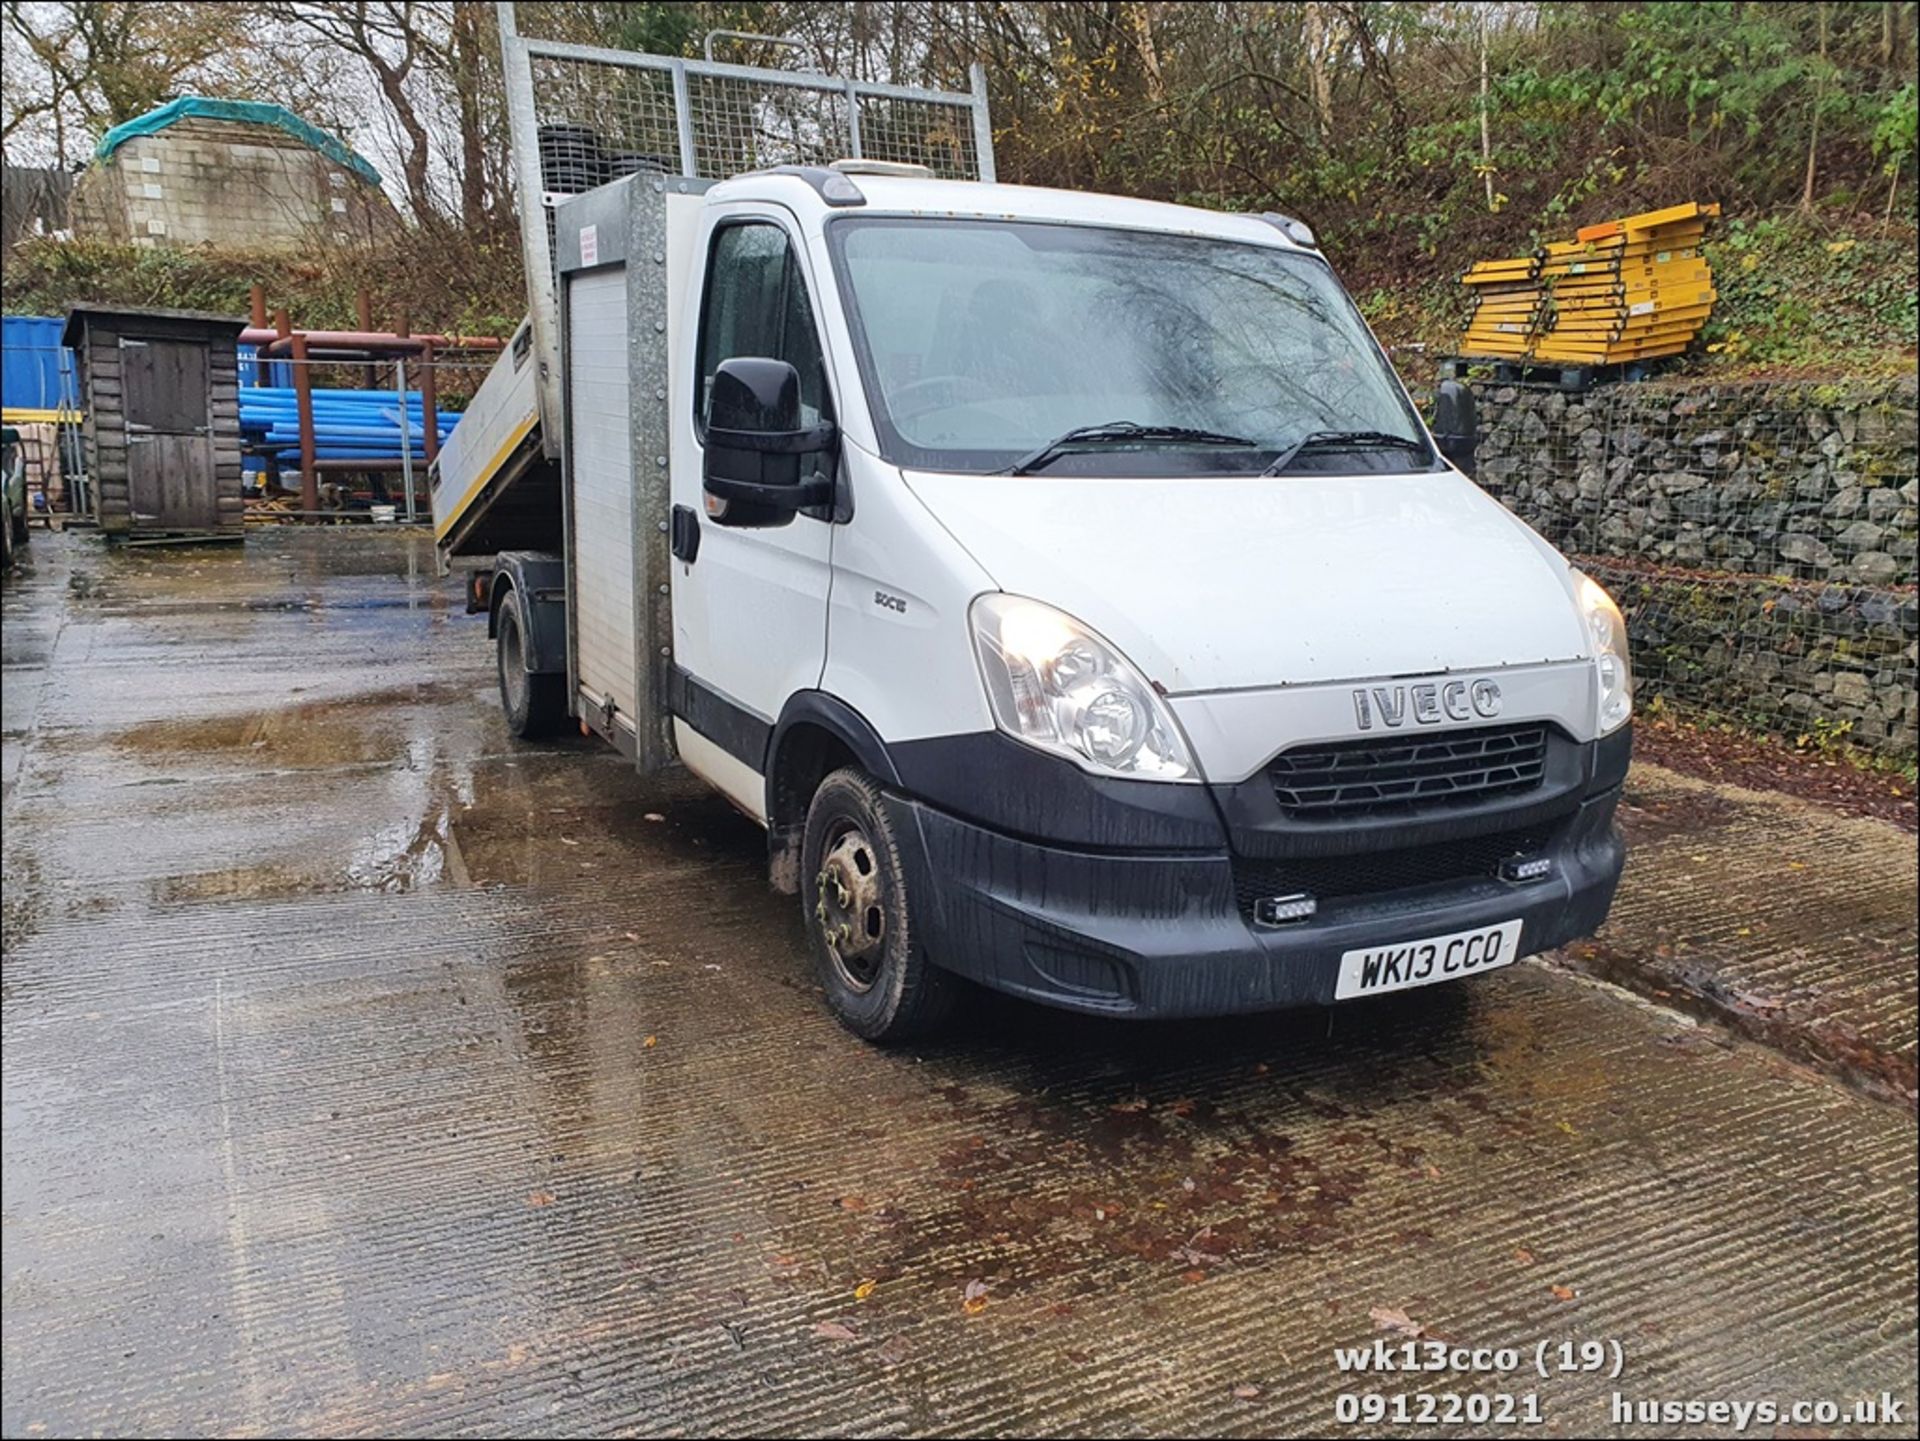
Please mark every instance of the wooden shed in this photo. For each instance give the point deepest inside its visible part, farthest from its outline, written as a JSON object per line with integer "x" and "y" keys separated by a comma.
{"x": 160, "y": 390}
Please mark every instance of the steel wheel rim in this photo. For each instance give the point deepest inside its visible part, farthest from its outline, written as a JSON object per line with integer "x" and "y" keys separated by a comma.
{"x": 513, "y": 673}
{"x": 850, "y": 906}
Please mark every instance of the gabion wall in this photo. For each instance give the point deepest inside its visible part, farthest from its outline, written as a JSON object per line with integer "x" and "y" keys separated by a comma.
{"x": 1760, "y": 537}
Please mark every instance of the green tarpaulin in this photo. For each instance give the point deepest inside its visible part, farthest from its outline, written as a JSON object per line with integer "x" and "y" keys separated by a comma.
{"x": 253, "y": 112}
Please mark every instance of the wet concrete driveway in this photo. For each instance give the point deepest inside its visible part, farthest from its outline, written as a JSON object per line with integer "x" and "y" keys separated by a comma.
{"x": 366, "y": 1072}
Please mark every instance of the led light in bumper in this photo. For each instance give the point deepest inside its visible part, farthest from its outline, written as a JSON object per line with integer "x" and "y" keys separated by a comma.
{"x": 1520, "y": 869}
{"x": 1279, "y": 910}
{"x": 1057, "y": 685}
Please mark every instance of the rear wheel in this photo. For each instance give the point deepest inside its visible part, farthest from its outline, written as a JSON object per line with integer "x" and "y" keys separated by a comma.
{"x": 859, "y": 916}
{"x": 534, "y": 704}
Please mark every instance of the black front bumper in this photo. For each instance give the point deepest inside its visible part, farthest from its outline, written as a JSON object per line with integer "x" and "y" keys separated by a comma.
{"x": 1166, "y": 932}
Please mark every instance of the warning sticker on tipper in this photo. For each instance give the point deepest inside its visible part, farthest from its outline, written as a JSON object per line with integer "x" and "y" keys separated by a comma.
{"x": 589, "y": 245}
{"x": 1645, "y": 307}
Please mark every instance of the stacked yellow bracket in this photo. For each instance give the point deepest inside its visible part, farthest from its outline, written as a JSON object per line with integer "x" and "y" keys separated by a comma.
{"x": 1624, "y": 290}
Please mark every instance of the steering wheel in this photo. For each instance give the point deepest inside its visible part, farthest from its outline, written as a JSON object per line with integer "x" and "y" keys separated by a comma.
{"x": 936, "y": 392}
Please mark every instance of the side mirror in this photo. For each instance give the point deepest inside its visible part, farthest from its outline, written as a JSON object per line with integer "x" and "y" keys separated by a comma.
{"x": 1455, "y": 425}
{"x": 762, "y": 463}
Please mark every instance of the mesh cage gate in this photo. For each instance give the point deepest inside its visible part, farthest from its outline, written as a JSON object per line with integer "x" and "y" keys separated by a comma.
{"x": 580, "y": 116}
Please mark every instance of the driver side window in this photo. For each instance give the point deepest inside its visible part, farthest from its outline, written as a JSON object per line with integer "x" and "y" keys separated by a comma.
{"x": 756, "y": 304}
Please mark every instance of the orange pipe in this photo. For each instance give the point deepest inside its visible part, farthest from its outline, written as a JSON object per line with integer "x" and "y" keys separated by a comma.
{"x": 274, "y": 340}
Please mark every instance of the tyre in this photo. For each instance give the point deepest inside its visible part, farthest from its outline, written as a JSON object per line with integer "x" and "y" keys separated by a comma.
{"x": 859, "y": 915}
{"x": 535, "y": 705}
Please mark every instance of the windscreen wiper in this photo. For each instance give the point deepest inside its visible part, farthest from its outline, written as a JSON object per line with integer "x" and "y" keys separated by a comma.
{"x": 1119, "y": 432}
{"x": 1338, "y": 439}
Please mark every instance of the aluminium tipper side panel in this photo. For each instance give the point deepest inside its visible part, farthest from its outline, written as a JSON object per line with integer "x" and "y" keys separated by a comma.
{"x": 493, "y": 443}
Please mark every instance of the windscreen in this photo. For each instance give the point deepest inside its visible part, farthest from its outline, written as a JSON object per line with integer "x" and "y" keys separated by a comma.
{"x": 982, "y": 340}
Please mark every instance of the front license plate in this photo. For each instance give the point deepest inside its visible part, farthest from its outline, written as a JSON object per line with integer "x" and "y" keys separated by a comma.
{"x": 1423, "y": 962}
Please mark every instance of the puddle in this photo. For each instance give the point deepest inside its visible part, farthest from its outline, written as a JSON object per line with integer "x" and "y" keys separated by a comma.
{"x": 358, "y": 729}
{"x": 240, "y": 883}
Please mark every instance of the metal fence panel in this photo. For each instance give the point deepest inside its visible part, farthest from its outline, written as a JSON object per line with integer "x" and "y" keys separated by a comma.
{"x": 581, "y": 115}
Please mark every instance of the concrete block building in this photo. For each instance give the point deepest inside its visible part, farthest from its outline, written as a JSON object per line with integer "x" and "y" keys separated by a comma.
{"x": 228, "y": 173}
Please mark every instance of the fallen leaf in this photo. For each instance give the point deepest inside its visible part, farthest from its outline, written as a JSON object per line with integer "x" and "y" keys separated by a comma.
{"x": 1433, "y": 1172}
{"x": 893, "y": 1351}
{"x": 1194, "y": 1275}
{"x": 1392, "y": 1318}
{"x": 1133, "y": 1107}
{"x": 863, "y": 1290}
{"x": 651, "y": 1042}
{"x": 1246, "y": 1393}
{"x": 974, "y": 1300}
{"x": 1563, "y": 1293}
{"x": 834, "y": 1331}
{"x": 568, "y": 841}
{"x": 653, "y": 816}
{"x": 1523, "y": 1255}
{"x": 540, "y": 1198}
{"x": 853, "y": 1203}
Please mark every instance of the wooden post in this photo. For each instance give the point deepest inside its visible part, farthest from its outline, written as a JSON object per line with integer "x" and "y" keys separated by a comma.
{"x": 257, "y": 306}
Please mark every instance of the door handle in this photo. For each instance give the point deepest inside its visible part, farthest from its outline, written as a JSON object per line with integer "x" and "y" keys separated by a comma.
{"x": 686, "y": 534}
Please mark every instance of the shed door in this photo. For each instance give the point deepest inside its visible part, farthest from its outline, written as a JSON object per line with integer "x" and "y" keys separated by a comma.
{"x": 166, "y": 390}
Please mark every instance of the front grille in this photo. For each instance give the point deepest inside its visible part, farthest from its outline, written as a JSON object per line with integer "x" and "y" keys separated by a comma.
{"x": 1408, "y": 774}
{"x": 1373, "y": 873}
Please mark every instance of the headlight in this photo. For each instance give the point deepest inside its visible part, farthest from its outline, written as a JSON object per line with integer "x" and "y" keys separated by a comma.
{"x": 1609, "y": 631}
{"x": 1056, "y": 685}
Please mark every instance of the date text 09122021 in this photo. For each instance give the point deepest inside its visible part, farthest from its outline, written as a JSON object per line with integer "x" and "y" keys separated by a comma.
{"x": 1438, "y": 1408}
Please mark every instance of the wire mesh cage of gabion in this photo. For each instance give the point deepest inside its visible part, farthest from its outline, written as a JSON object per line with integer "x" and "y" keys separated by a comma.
{"x": 1759, "y": 536}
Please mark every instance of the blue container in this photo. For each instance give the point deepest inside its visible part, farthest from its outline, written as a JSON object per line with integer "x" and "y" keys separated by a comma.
{"x": 36, "y": 370}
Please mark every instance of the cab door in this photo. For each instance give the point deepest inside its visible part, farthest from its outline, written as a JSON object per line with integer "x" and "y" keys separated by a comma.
{"x": 749, "y": 605}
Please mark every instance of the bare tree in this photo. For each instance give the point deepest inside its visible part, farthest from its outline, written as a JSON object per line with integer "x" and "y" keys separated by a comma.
{"x": 100, "y": 63}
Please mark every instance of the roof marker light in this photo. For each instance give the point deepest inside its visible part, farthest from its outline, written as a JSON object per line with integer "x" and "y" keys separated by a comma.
{"x": 860, "y": 165}
{"x": 1298, "y": 231}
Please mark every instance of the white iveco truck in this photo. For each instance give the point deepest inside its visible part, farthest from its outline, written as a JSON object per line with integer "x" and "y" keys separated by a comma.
{"x": 1065, "y": 582}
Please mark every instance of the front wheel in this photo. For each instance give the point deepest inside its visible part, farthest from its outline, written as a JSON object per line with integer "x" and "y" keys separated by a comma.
{"x": 859, "y": 917}
{"x": 534, "y": 704}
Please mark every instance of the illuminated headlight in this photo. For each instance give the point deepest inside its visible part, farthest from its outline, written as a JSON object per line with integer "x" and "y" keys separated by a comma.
{"x": 1056, "y": 685}
{"x": 1608, "y": 630}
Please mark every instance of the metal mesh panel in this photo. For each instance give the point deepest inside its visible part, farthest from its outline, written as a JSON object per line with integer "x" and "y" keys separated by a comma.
{"x": 598, "y": 122}
{"x": 583, "y": 112}
{"x": 741, "y": 125}
{"x": 919, "y": 132}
